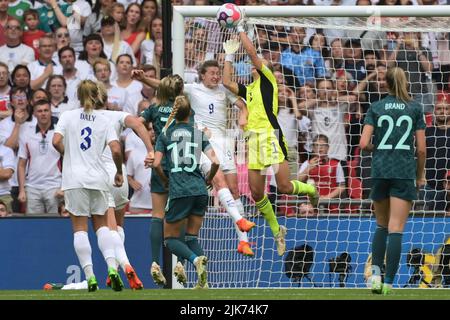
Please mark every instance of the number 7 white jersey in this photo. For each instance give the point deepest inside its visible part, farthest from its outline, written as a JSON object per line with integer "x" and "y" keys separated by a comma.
{"x": 210, "y": 105}
{"x": 86, "y": 136}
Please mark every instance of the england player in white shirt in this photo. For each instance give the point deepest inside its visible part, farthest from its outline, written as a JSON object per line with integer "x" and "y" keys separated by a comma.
{"x": 210, "y": 100}
{"x": 81, "y": 136}
{"x": 120, "y": 120}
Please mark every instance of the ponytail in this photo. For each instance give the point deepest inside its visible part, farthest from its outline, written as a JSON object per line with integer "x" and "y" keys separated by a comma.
{"x": 102, "y": 96}
{"x": 180, "y": 111}
{"x": 171, "y": 117}
{"x": 398, "y": 84}
{"x": 88, "y": 95}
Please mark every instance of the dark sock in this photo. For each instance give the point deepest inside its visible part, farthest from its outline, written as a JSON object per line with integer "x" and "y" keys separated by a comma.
{"x": 379, "y": 246}
{"x": 393, "y": 254}
{"x": 156, "y": 230}
{"x": 180, "y": 249}
{"x": 192, "y": 243}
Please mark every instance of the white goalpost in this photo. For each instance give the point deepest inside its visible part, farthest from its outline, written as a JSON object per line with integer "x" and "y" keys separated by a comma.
{"x": 351, "y": 47}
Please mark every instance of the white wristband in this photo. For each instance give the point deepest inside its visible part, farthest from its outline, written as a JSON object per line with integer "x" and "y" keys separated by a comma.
{"x": 229, "y": 57}
{"x": 240, "y": 28}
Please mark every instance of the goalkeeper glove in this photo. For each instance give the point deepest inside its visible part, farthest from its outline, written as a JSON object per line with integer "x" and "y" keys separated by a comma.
{"x": 230, "y": 46}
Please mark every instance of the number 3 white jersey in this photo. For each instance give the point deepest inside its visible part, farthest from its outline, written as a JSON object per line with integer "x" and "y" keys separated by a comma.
{"x": 210, "y": 105}
{"x": 85, "y": 137}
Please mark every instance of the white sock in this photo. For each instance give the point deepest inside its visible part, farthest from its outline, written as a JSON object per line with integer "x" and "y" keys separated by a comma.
{"x": 106, "y": 246}
{"x": 84, "y": 252}
{"x": 226, "y": 199}
{"x": 119, "y": 249}
{"x": 240, "y": 206}
{"x": 121, "y": 233}
{"x": 241, "y": 235}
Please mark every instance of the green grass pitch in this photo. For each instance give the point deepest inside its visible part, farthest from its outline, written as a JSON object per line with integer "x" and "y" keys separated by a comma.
{"x": 227, "y": 294}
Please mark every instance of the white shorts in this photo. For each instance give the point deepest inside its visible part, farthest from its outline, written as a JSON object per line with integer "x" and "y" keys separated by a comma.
{"x": 205, "y": 165}
{"x": 86, "y": 202}
{"x": 224, "y": 148}
{"x": 119, "y": 195}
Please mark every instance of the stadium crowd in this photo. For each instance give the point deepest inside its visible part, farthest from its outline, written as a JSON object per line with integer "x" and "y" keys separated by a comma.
{"x": 327, "y": 79}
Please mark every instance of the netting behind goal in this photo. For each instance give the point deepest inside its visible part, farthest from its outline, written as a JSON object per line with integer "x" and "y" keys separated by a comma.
{"x": 341, "y": 62}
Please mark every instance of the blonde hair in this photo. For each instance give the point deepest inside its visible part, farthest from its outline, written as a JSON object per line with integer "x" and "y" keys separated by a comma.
{"x": 87, "y": 93}
{"x": 102, "y": 96}
{"x": 102, "y": 61}
{"x": 169, "y": 88}
{"x": 398, "y": 84}
{"x": 180, "y": 111}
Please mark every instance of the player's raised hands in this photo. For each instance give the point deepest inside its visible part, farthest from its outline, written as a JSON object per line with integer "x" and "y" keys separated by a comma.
{"x": 231, "y": 46}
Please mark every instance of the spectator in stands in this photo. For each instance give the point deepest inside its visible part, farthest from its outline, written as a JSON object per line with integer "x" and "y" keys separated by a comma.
{"x": 372, "y": 88}
{"x": 93, "y": 21}
{"x": 53, "y": 14}
{"x": 148, "y": 93}
{"x": 112, "y": 46}
{"x": 72, "y": 72}
{"x": 336, "y": 59}
{"x": 327, "y": 173}
{"x": 4, "y": 212}
{"x": 291, "y": 56}
{"x": 56, "y": 87}
{"x": 39, "y": 94}
{"x": 132, "y": 31}
{"x": 304, "y": 93}
{"x": 150, "y": 11}
{"x": 5, "y": 110}
{"x": 148, "y": 45}
{"x": 327, "y": 117}
{"x": 16, "y": 9}
{"x": 14, "y": 52}
{"x": 32, "y": 34}
{"x": 118, "y": 12}
{"x": 344, "y": 86}
{"x": 287, "y": 104}
{"x": 62, "y": 39}
{"x": 192, "y": 60}
{"x": 10, "y": 129}
{"x": 7, "y": 169}
{"x": 93, "y": 49}
{"x": 354, "y": 62}
{"x": 40, "y": 179}
{"x": 43, "y": 68}
{"x": 118, "y": 98}
{"x": 138, "y": 176}
{"x": 439, "y": 41}
{"x": 438, "y": 154}
{"x": 416, "y": 62}
{"x": 125, "y": 81}
{"x": 20, "y": 77}
{"x": 3, "y": 19}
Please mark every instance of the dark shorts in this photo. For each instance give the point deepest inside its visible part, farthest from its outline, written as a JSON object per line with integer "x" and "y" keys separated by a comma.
{"x": 400, "y": 188}
{"x": 181, "y": 208}
{"x": 156, "y": 184}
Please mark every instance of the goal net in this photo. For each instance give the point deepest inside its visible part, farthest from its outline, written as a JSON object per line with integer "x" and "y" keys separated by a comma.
{"x": 342, "y": 61}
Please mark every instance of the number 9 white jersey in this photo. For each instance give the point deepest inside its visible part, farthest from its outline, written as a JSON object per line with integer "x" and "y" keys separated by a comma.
{"x": 210, "y": 106}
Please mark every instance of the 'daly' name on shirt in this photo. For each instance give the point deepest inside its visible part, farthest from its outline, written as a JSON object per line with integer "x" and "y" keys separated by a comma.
{"x": 88, "y": 117}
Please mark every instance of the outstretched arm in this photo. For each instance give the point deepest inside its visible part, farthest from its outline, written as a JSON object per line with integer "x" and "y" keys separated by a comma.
{"x": 230, "y": 47}
{"x": 138, "y": 127}
{"x": 248, "y": 45}
{"x": 139, "y": 75}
